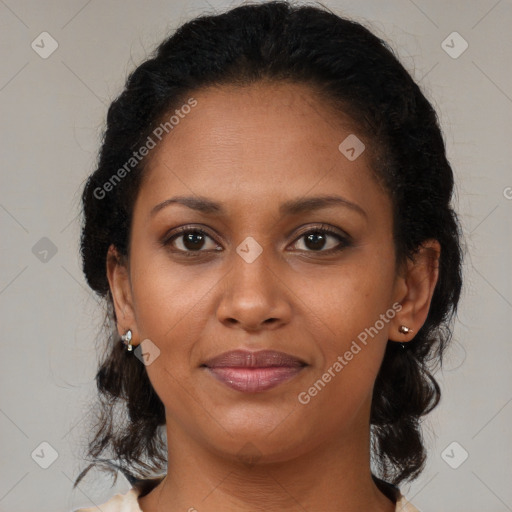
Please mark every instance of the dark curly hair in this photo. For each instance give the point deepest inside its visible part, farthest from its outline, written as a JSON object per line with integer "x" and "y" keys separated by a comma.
{"x": 354, "y": 72}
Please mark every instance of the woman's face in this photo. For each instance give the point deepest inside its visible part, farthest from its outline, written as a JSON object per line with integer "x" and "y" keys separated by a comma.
{"x": 256, "y": 280}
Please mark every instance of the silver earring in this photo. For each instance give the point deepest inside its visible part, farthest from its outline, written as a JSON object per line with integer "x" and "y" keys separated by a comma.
{"x": 404, "y": 330}
{"x": 127, "y": 340}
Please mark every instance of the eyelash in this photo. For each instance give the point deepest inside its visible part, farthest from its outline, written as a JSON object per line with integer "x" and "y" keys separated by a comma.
{"x": 345, "y": 241}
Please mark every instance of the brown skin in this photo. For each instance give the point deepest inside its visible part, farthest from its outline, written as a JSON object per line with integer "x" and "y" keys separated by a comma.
{"x": 252, "y": 149}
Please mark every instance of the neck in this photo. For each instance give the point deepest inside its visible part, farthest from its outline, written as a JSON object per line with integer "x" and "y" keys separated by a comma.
{"x": 330, "y": 476}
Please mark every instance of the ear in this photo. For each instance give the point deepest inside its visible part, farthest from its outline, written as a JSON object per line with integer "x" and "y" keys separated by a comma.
{"x": 414, "y": 290}
{"x": 120, "y": 287}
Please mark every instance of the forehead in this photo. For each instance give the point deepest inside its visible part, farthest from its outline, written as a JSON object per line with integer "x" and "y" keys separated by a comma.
{"x": 256, "y": 144}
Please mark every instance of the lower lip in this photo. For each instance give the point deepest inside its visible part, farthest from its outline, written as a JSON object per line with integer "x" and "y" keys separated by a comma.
{"x": 253, "y": 380}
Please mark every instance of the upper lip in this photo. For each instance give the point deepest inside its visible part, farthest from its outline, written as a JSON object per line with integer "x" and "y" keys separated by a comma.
{"x": 248, "y": 359}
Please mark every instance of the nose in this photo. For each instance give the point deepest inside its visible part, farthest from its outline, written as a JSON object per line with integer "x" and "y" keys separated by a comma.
{"x": 254, "y": 296}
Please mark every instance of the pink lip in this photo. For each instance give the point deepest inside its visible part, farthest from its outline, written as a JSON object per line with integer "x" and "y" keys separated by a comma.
{"x": 247, "y": 359}
{"x": 252, "y": 380}
{"x": 252, "y": 372}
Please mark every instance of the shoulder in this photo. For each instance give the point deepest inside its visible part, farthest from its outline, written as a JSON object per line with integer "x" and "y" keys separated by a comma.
{"x": 126, "y": 502}
{"x": 393, "y": 492}
{"x": 403, "y": 505}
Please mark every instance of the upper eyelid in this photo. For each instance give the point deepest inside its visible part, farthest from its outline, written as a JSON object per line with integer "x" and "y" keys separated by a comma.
{"x": 323, "y": 227}
{"x": 343, "y": 237}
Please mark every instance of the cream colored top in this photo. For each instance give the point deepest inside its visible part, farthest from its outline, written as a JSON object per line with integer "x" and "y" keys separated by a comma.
{"x": 128, "y": 503}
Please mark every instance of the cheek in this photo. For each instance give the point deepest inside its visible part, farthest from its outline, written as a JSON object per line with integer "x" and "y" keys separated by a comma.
{"x": 170, "y": 307}
{"x": 356, "y": 294}
{"x": 169, "y": 301}
{"x": 355, "y": 314}
{"x": 352, "y": 349}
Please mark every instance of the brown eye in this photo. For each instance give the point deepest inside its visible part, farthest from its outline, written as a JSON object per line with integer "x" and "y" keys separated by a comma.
{"x": 317, "y": 240}
{"x": 190, "y": 240}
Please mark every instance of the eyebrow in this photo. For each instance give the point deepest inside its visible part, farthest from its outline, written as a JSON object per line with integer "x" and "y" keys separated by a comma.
{"x": 291, "y": 207}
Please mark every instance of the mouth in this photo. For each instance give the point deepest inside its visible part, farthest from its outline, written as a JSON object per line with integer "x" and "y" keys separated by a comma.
{"x": 253, "y": 372}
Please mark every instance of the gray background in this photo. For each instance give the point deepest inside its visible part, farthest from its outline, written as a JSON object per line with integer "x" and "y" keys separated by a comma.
{"x": 52, "y": 113}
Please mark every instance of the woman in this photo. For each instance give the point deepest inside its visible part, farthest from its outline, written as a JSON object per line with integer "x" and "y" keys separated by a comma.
{"x": 270, "y": 226}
